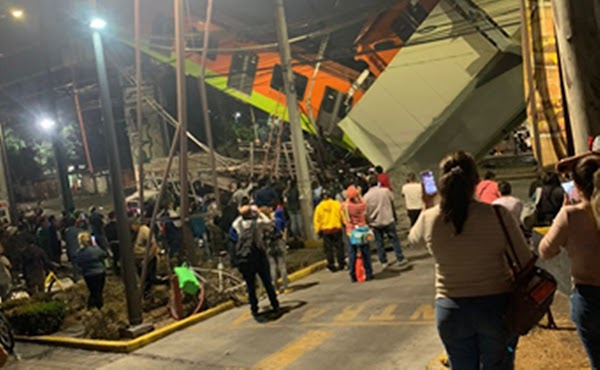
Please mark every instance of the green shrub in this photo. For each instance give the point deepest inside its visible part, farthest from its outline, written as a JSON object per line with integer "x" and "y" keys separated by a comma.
{"x": 37, "y": 318}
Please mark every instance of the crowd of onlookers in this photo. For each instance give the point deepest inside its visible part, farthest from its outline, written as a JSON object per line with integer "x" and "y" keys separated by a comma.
{"x": 465, "y": 224}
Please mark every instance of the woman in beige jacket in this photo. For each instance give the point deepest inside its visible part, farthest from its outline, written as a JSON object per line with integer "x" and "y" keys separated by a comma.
{"x": 473, "y": 279}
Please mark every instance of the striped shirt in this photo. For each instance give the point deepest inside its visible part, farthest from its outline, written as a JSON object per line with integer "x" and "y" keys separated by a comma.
{"x": 471, "y": 264}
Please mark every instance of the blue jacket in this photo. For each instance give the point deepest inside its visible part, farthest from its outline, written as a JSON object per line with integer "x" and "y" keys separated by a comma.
{"x": 91, "y": 260}
{"x": 198, "y": 225}
{"x": 279, "y": 221}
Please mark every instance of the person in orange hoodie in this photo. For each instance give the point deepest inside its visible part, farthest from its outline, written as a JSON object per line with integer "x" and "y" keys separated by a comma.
{"x": 487, "y": 190}
{"x": 327, "y": 222}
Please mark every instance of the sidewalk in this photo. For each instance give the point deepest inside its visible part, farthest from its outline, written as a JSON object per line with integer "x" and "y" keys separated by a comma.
{"x": 326, "y": 321}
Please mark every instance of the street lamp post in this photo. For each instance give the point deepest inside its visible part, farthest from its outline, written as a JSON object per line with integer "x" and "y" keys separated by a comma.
{"x": 134, "y": 307}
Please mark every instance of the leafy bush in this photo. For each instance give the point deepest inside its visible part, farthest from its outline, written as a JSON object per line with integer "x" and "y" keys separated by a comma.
{"x": 37, "y": 318}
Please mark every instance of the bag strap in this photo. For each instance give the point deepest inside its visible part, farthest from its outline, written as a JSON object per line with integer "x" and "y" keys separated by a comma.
{"x": 480, "y": 193}
{"x": 346, "y": 212}
{"x": 514, "y": 259}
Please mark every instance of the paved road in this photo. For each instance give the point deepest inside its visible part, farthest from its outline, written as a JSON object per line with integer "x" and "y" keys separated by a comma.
{"x": 383, "y": 324}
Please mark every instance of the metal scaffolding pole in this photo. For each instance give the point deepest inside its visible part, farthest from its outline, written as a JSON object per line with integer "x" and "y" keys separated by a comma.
{"x": 138, "y": 103}
{"x": 204, "y": 99}
{"x": 184, "y": 208}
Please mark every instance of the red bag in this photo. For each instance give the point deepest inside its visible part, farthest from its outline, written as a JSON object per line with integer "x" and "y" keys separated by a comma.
{"x": 534, "y": 289}
{"x": 359, "y": 268}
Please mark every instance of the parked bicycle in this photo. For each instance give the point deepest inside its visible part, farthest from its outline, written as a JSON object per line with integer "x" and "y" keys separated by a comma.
{"x": 226, "y": 284}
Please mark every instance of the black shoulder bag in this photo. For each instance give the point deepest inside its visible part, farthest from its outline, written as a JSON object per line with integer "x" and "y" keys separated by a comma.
{"x": 533, "y": 292}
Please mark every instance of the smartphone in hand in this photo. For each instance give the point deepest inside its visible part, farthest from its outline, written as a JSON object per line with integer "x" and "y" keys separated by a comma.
{"x": 429, "y": 184}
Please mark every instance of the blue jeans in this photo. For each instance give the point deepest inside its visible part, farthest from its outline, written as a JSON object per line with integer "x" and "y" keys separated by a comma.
{"x": 365, "y": 251}
{"x": 295, "y": 224}
{"x": 474, "y": 334}
{"x": 585, "y": 313}
{"x": 390, "y": 231}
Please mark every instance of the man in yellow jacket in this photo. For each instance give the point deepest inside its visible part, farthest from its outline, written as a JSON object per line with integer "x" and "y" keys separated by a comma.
{"x": 328, "y": 225}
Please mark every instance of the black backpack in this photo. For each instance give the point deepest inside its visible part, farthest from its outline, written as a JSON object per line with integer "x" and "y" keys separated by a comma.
{"x": 248, "y": 241}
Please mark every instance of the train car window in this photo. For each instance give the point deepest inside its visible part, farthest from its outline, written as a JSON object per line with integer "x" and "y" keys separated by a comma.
{"x": 329, "y": 100}
{"x": 277, "y": 82}
{"x": 162, "y": 33}
{"x": 242, "y": 72}
{"x": 196, "y": 38}
{"x": 408, "y": 22}
{"x": 328, "y": 103}
{"x": 418, "y": 13}
{"x": 213, "y": 43}
{"x": 404, "y": 27}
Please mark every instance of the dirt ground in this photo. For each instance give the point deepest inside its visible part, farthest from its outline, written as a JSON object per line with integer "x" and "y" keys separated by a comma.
{"x": 553, "y": 349}
{"x": 105, "y": 323}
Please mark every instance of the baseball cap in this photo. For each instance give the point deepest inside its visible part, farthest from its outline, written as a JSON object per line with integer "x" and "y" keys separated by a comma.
{"x": 567, "y": 164}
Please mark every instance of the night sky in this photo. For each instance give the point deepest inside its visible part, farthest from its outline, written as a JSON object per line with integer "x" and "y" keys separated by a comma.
{"x": 61, "y": 36}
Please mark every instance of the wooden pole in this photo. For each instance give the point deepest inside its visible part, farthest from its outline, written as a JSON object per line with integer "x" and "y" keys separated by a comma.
{"x": 275, "y": 171}
{"x": 84, "y": 140}
{"x": 266, "y": 154}
{"x": 204, "y": 99}
{"x": 138, "y": 103}
{"x": 531, "y": 87}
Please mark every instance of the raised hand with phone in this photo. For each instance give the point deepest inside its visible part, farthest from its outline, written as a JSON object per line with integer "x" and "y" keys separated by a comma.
{"x": 430, "y": 190}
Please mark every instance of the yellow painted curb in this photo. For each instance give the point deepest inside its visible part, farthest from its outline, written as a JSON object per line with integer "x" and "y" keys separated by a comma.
{"x": 129, "y": 345}
{"x": 300, "y": 274}
{"x": 137, "y": 343}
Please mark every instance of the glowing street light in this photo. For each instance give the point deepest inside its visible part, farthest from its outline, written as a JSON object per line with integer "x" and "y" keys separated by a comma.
{"x": 17, "y": 13}
{"x": 47, "y": 124}
{"x": 97, "y": 24}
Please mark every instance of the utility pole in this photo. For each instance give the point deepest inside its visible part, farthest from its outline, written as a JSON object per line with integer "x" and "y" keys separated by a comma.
{"x": 578, "y": 37}
{"x": 528, "y": 66}
{"x": 132, "y": 292}
{"x": 300, "y": 160}
{"x": 138, "y": 103}
{"x": 204, "y": 98}
{"x": 184, "y": 208}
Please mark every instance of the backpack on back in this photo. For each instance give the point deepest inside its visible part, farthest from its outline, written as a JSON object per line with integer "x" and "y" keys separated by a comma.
{"x": 247, "y": 243}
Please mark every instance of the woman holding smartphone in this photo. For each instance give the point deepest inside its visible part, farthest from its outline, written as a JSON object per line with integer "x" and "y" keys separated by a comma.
{"x": 473, "y": 282}
{"x": 576, "y": 228}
